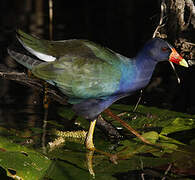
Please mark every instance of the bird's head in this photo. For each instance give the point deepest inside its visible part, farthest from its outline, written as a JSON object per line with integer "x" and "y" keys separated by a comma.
{"x": 160, "y": 50}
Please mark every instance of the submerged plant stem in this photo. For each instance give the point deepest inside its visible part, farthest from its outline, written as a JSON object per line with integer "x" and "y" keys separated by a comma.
{"x": 127, "y": 126}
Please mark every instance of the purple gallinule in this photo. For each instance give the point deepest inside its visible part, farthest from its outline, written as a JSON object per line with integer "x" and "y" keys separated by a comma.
{"x": 91, "y": 76}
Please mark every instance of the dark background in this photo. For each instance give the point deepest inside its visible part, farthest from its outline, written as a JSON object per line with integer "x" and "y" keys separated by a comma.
{"x": 123, "y": 26}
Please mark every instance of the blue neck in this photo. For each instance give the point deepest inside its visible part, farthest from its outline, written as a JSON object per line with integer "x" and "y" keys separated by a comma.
{"x": 145, "y": 67}
{"x": 136, "y": 72}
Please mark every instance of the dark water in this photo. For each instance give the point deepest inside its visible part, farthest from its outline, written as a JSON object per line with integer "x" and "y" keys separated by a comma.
{"x": 26, "y": 138}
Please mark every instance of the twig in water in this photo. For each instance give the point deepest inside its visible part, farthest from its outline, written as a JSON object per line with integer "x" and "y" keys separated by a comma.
{"x": 44, "y": 130}
{"x": 142, "y": 176}
{"x": 138, "y": 101}
{"x": 166, "y": 172}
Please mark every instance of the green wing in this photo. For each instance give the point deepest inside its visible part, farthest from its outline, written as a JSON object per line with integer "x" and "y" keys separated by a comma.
{"x": 80, "y": 77}
{"x": 83, "y": 69}
{"x": 73, "y": 47}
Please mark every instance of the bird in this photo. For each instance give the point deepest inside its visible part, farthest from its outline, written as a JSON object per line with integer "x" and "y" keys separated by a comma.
{"x": 92, "y": 76}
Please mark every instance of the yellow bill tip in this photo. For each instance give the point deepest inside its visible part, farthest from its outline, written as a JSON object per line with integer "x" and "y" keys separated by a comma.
{"x": 184, "y": 63}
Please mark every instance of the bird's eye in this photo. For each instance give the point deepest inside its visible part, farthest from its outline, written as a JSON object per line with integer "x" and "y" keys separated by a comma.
{"x": 164, "y": 49}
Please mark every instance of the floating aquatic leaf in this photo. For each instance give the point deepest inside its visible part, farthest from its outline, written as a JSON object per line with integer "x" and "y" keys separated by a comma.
{"x": 178, "y": 124}
{"x": 21, "y": 162}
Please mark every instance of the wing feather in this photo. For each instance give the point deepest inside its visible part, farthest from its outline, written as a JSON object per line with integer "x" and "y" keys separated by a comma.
{"x": 80, "y": 77}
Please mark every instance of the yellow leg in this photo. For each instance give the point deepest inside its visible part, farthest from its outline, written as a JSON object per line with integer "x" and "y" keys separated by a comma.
{"x": 89, "y": 139}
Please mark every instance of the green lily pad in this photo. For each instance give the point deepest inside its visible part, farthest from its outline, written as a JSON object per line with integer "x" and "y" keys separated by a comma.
{"x": 21, "y": 162}
{"x": 178, "y": 124}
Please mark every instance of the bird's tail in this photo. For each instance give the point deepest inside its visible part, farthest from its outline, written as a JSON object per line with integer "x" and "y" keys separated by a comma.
{"x": 23, "y": 59}
{"x": 25, "y": 38}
